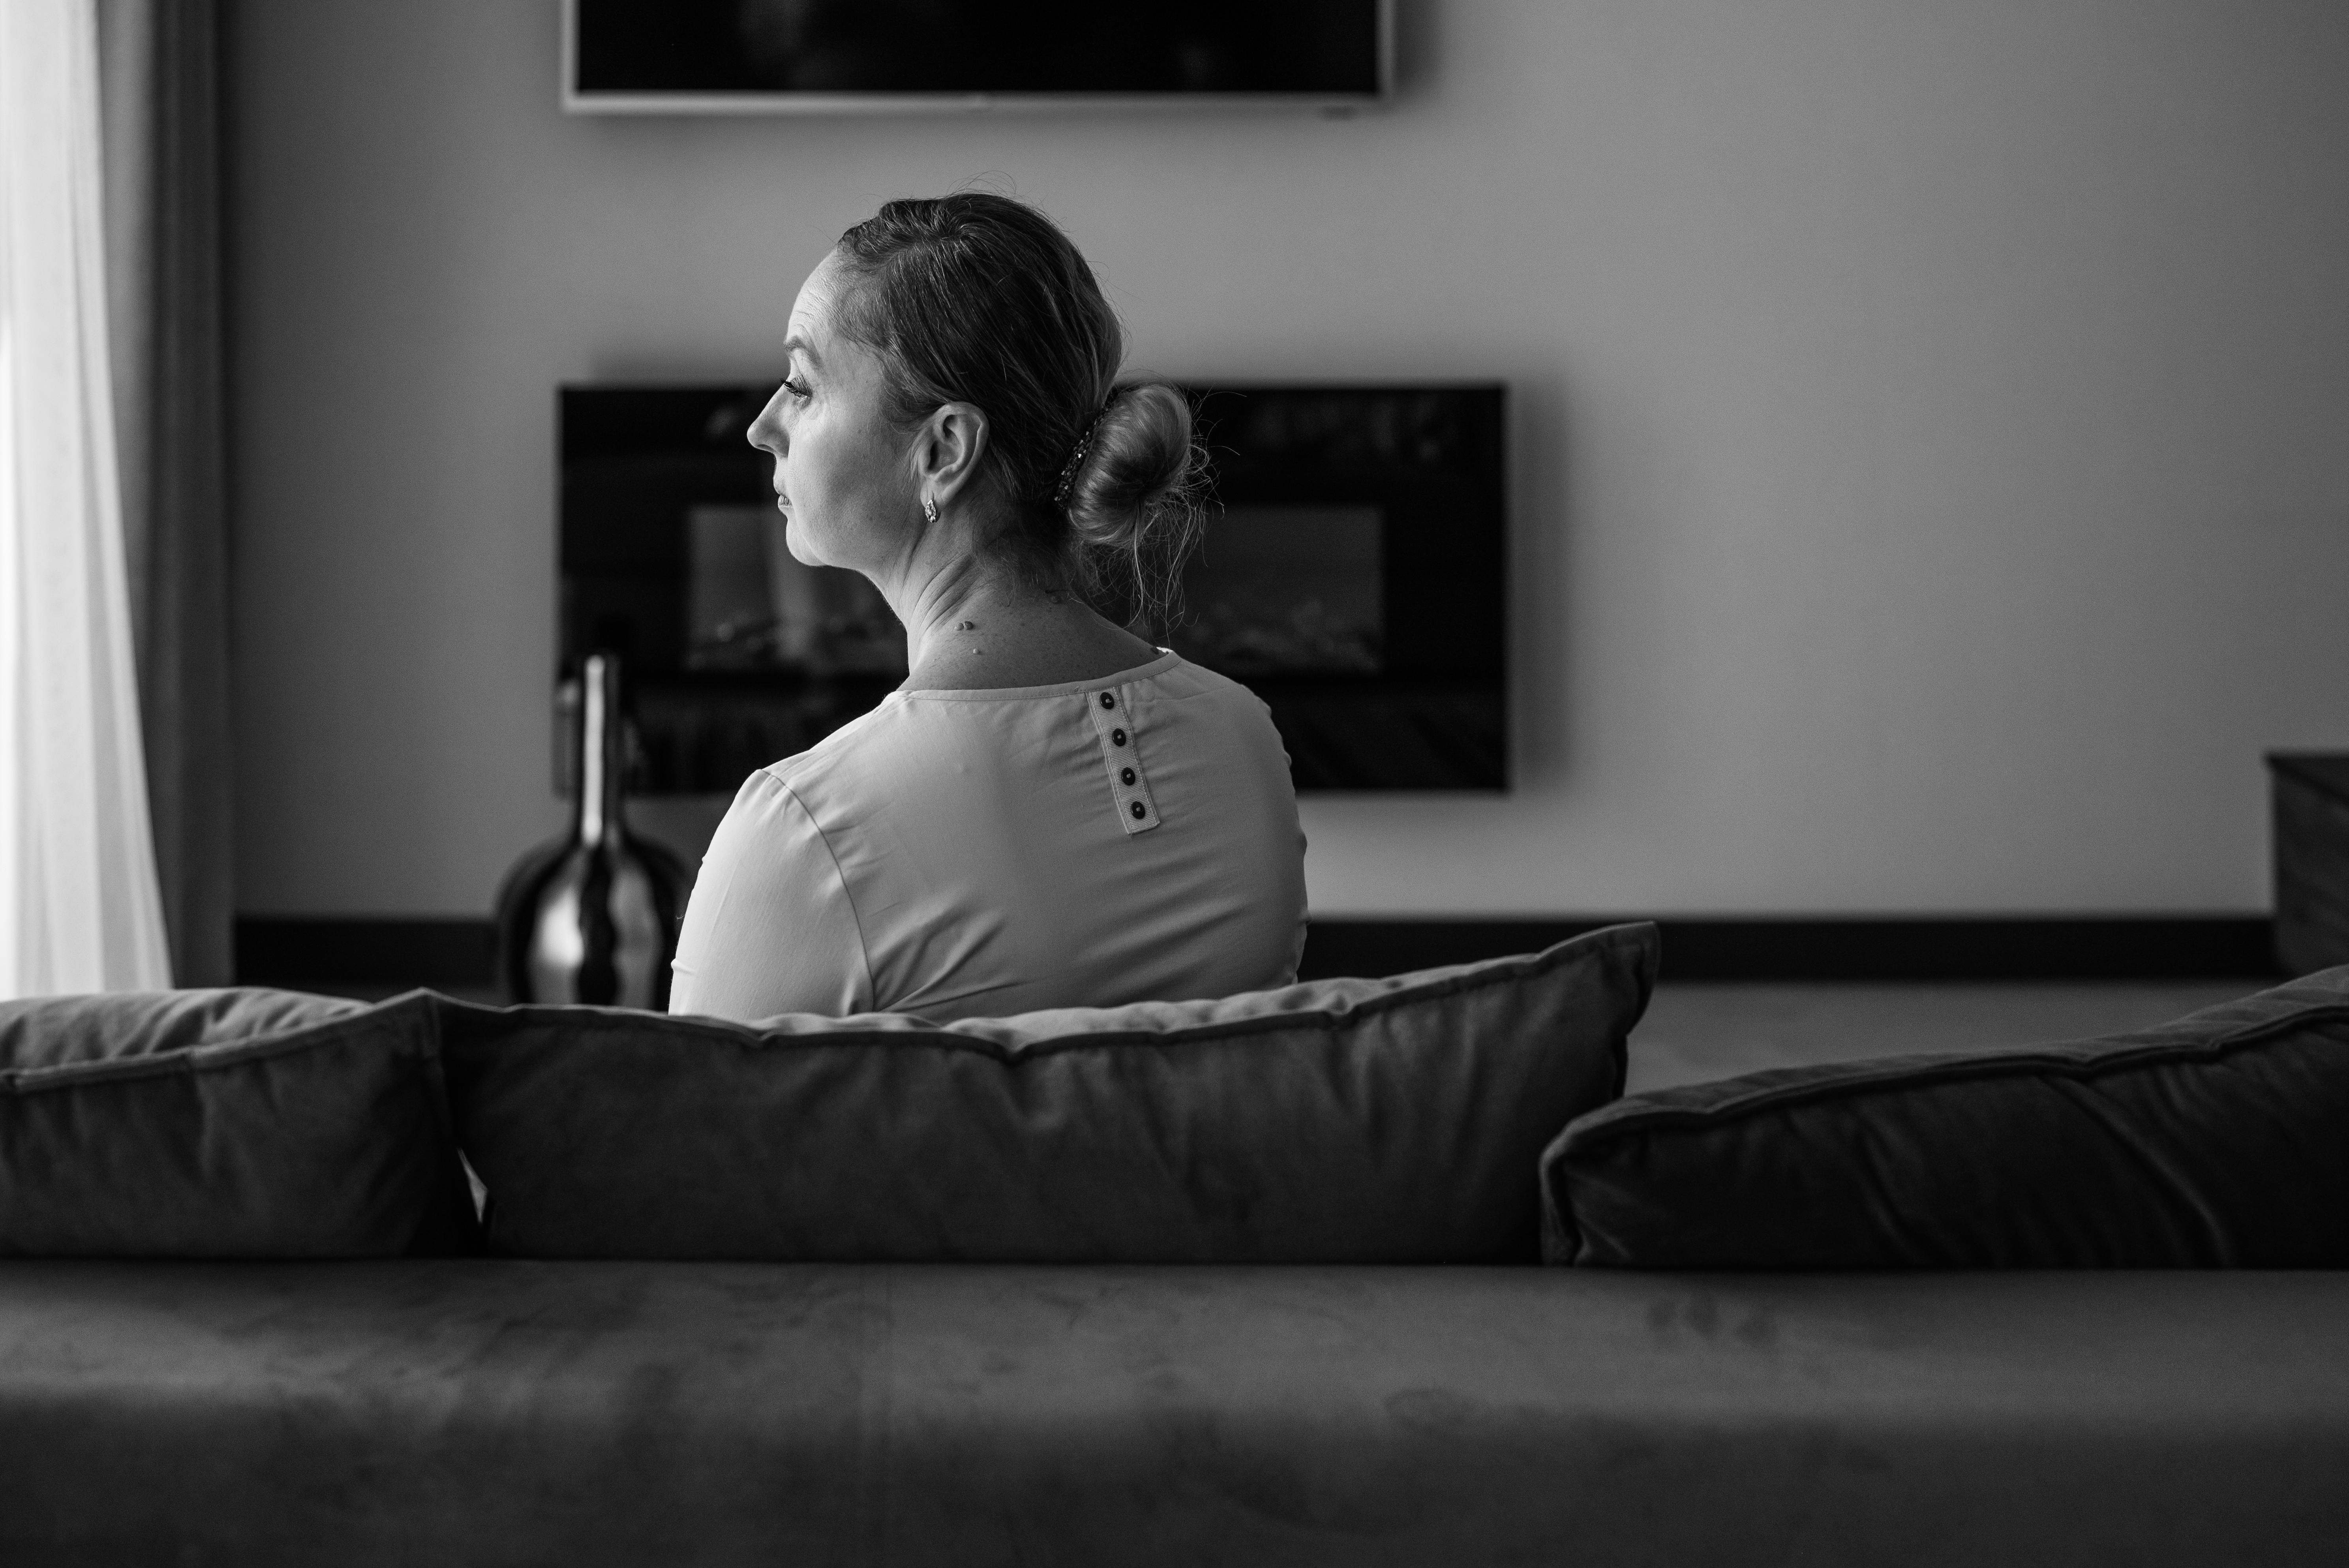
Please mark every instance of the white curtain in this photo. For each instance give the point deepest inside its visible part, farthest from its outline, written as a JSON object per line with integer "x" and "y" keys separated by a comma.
{"x": 79, "y": 907}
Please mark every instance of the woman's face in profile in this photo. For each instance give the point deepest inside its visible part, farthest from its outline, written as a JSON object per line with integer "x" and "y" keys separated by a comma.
{"x": 843, "y": 477}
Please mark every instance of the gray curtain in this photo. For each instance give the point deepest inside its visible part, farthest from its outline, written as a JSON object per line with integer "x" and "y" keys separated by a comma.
{"x": 159, "y": 67}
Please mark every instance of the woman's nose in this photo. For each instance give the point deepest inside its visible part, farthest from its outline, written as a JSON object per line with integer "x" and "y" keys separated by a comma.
{"x": 766, "y": 431}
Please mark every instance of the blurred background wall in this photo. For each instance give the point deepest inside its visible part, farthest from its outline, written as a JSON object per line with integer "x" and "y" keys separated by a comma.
{"x": 1932, "y": 437}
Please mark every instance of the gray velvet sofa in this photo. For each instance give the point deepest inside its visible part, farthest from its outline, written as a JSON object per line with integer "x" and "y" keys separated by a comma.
{"x": 392, "y": 1374}
{"x": 520, "y": 1412}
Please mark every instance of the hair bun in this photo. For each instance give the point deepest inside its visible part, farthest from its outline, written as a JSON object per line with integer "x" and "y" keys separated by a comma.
{"x": 1137, "y": 468}
{"x": 1133, "y": 492}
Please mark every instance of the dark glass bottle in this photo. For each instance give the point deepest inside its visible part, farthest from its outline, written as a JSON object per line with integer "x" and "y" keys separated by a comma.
{"x": 592, "y": 916}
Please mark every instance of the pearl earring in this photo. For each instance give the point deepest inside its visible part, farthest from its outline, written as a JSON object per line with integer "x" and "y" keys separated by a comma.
{"x": 930, "y": 509}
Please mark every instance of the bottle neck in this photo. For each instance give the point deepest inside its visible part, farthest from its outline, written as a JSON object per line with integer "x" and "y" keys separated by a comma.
{"x": 602, "y": 753}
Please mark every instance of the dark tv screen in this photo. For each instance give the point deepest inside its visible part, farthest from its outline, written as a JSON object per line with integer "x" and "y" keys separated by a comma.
{"x": 680, "y": 50}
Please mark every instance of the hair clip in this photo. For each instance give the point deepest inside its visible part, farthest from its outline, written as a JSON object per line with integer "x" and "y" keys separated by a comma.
{"x": 1077, "y": 458}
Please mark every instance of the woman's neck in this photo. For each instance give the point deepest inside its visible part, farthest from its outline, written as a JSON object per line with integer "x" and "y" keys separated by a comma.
{"x": 976, "y": 626}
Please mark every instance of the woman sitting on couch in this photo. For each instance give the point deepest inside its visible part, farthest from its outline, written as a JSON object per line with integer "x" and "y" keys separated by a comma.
{"x": 1050, "y": 812}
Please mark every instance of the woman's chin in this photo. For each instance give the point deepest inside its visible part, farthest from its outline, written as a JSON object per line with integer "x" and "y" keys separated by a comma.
{"x": 795, "y": 540}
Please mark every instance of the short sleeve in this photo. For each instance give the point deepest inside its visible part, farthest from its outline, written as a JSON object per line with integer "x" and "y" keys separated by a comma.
{"x": 770, "y": 928}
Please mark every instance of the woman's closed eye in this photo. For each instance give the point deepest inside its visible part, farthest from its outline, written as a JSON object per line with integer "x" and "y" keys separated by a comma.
{"x": 798, "y": 389}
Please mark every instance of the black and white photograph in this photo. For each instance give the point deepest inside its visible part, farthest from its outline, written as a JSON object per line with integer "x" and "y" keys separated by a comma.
{"x": 1072, "y": 784}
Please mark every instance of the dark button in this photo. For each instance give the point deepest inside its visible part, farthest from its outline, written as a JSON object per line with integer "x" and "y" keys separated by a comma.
{"x": 1108, "y": 701}
{"x": 1139, "y": 811}
{"x": 1117, "y": 737}
{"x": 1125, "y": 775}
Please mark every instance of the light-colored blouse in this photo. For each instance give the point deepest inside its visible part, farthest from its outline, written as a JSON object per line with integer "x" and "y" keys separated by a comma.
{"x": 978, "y": 854}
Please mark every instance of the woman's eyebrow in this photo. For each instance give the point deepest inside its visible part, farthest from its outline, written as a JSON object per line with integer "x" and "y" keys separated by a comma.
{"x": 799, "y": 345}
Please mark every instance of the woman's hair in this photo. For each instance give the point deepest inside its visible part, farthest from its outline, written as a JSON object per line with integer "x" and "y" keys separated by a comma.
{"x": 976, "y": 298}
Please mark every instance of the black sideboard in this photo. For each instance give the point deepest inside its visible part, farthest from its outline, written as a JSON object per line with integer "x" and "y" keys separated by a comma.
{"x": 2310, "y": 792}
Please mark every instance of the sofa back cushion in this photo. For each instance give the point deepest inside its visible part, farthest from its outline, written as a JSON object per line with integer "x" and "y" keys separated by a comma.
{"x": 2221, "y": 1139}
{"x": 1341, "y": 1120}
{"x": 229, "y": 1123}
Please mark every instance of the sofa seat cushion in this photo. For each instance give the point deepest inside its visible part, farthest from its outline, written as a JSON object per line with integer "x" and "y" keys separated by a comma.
{"x": 2219, "y": 1141}
{"x": 1340, "y": 1121}
{"x": 226, "y": 1123}
{"x": 583, "y": 1414}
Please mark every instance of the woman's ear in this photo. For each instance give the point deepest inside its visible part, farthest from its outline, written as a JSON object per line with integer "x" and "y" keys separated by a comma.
{"x": 947, "y": 449}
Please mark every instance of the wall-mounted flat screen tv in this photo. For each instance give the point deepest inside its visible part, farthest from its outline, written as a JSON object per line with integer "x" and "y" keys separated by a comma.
{"x": 828, "y": 56}
{"x": 1352, "y": 573}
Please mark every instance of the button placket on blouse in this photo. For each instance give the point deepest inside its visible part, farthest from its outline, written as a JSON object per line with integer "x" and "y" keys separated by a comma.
{"x": 1129, "y": 785}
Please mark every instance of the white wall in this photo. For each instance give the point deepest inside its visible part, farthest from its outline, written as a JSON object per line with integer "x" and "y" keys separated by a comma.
{"x": 1931, "y": 452}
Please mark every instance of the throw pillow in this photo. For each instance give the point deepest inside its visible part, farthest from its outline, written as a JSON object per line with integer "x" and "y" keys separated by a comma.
{"x": 229, "y": 1123}
{"x": 1393, "y": 1120}
{"x": 2219, "y": 1141}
